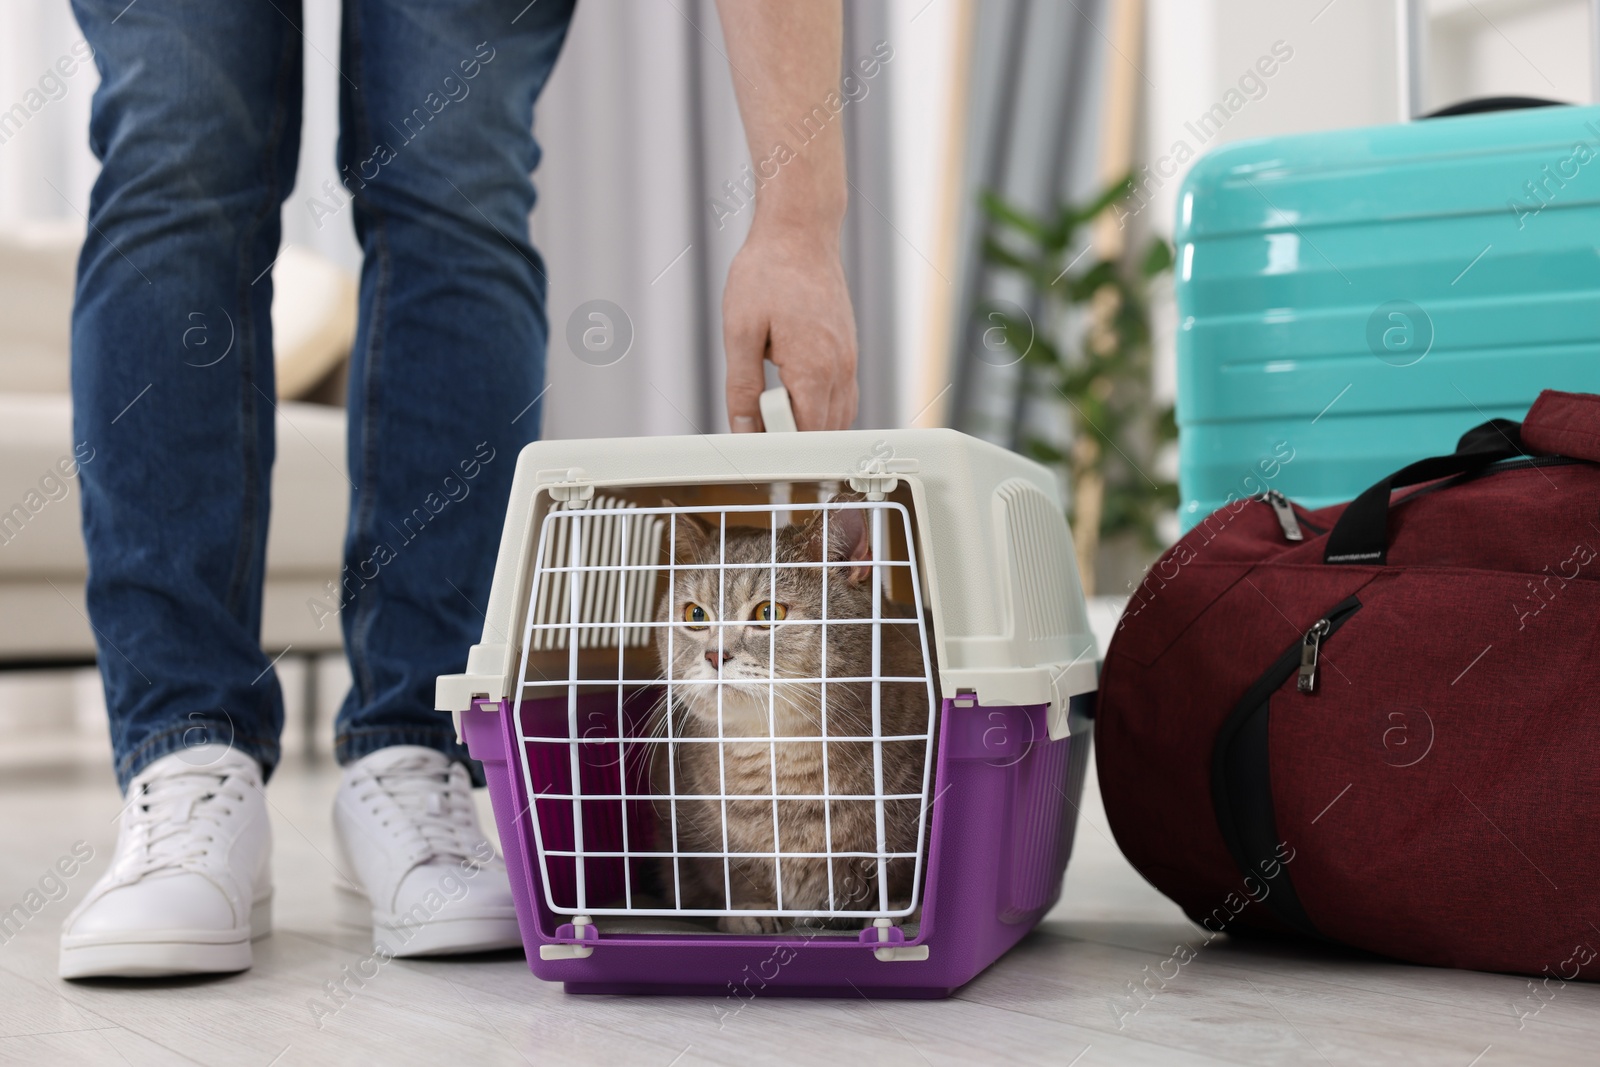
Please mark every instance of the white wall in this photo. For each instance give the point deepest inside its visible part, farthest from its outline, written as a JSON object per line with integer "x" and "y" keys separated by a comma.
{"x": 1510, "y": 48}
{"x": 1341, "y": 72}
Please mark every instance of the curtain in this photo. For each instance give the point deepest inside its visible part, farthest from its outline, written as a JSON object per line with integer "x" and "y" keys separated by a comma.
{"x": 1035, "y": 109}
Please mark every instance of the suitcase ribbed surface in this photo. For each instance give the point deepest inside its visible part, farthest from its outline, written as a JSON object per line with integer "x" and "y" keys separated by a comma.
{"x": 1349, "y": 301}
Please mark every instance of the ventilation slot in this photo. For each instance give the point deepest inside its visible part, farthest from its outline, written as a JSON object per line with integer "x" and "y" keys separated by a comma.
{"x": 611, "y": 543}
{"x": 1042, "y": 562}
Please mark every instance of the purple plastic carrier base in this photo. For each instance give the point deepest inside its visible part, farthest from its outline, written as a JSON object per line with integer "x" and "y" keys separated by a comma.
{"x": 1001, "y": 830}
{"x": 739, "y": 991}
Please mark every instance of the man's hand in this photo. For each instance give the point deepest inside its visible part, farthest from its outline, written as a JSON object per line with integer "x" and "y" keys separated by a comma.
{"x": 787, "y": 301}
{"x": 786, "y": 298}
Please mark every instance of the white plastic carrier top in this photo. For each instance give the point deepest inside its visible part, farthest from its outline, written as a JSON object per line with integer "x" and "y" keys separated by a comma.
{"x": 999, "y": 569}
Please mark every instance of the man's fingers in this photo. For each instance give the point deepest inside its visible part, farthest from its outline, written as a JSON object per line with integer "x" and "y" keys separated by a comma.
{"x": 821, "y": 390}
{"x": 808, "y": 390}
{"x": 842, "y": 410}
{"x": 835, "y": 405}
{"x": 845, "y": 395}
{"x": 746, "y": 344}
{"x": 842, "y": 397}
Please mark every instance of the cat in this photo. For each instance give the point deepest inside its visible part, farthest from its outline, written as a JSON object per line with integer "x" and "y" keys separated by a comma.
{"x": 794, "y": 709}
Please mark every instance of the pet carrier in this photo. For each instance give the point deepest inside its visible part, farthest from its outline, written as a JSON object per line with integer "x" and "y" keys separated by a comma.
{"x": 779, "y": 713}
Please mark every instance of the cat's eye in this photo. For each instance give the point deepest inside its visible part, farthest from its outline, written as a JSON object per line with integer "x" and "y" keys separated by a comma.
{"x": 696, "y": 616}
{"x": 766, "y": 611}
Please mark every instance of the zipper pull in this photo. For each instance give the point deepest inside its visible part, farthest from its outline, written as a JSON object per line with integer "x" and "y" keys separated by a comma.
{"x": 1285, "y": 513}
{"x": 1308, "y": 656}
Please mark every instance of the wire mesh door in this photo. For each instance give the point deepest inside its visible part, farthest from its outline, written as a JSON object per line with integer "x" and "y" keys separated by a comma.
{"x": 724, "y": 713}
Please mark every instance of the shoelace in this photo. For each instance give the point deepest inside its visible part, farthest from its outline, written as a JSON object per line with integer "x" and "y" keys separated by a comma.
{"x": 437, "y": 806}
{"x": 176, "y": 820}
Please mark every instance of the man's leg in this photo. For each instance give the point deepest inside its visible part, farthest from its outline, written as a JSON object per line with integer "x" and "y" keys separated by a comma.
{"x": 197, "y": 123}
{"x": 436, "y": 146}
{"x": 436, "y": 149}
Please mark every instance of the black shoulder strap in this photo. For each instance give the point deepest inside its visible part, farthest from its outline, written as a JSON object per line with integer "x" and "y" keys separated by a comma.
{"x": 1241, "y": 790}
{"x": 1361, "y": 535}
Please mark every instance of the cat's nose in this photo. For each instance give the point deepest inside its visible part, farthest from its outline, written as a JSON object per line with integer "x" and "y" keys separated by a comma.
{"x": 712, "y": 656}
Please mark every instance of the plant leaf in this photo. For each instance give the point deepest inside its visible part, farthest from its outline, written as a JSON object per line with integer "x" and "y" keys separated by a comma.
{"x": 1112, "y": 193}
{"x": 1000, "y": 211}
{"x": 1157, "y": 258}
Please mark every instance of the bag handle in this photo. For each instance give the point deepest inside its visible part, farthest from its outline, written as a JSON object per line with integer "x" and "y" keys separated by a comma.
{"x": 1362, "y": 533}
{"x": 1480, "y": 105}
{"x": 1558, "y": 424}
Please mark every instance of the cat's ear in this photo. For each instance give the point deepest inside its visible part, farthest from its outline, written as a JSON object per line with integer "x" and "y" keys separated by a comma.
{"x": 693, "y": 538}
{"x": 851, "y": 540}
{"x": 848, "y": 536}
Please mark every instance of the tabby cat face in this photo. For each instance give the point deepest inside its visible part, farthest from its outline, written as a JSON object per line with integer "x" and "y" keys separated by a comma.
{"x": 769, "y": 618}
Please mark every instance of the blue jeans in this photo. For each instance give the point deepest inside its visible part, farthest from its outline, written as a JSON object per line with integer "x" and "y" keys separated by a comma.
{"x": 197, "y": 125}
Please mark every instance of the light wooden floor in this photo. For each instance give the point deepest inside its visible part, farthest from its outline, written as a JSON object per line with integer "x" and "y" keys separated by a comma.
{"x": 1059, "y": 998}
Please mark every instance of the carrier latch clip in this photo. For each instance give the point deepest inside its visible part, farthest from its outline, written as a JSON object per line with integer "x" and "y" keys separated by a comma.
{"x": 581, "y": 928}
{"x": 569, "y": 485}
{"x": 877, "y": 477}
{"x": 891, "y": 942}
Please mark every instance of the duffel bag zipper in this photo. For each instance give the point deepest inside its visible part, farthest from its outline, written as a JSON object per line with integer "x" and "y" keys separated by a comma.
{"x": 1241, "y": 779}
{"x": 1281, "y": 507}
{"x": 1288, "y": 521}
{"x": 1311, "y": 643}
{"x": 1294, "y": 529}
{"x": 1505, "y": 465}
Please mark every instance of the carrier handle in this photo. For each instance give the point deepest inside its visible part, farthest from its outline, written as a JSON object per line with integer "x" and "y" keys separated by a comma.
{"x": 777, "y": 414}
{"x": 1361, "y": 536}
{"x": 1412, "y": 38}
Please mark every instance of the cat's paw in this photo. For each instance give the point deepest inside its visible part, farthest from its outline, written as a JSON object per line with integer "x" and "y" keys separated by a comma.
{"x": 749, "y": 924}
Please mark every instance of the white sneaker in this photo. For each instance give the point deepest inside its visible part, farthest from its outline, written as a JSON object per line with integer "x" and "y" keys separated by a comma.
{"x": 427, "y": 880}
{"x": 190, "y": 884}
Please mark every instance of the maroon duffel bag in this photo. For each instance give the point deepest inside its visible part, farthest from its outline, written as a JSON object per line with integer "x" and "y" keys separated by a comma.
{"x": 1378, "y": 724}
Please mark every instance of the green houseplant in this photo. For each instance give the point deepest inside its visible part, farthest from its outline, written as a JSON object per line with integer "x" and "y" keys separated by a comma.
{"x": 1095, "y": 363}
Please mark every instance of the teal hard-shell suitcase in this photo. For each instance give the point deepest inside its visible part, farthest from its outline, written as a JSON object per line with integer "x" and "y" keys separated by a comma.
{"x": 1349, "y": 302}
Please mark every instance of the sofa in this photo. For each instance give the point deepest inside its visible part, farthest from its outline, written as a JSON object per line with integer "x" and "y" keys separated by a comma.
{"x": 42, "y": 562}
